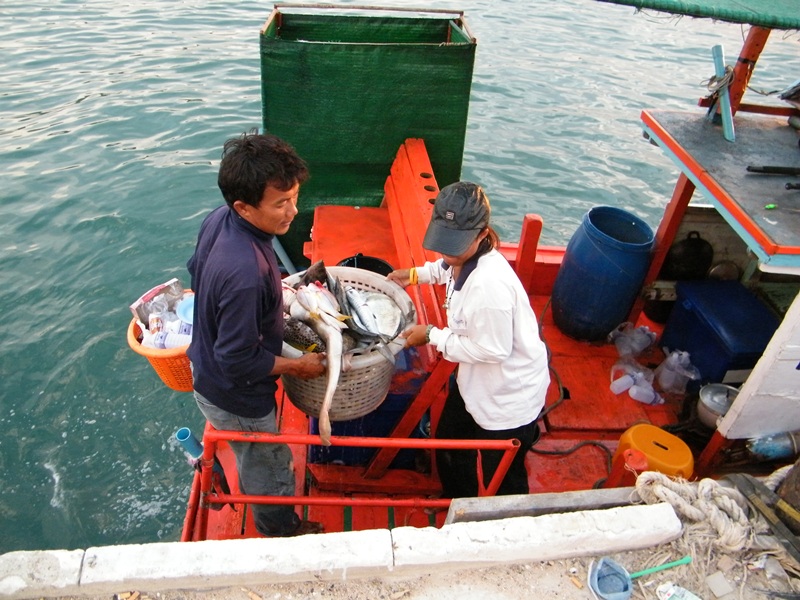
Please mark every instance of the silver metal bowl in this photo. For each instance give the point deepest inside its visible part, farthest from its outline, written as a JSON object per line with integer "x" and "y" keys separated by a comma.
{"x": 715, "y": 400}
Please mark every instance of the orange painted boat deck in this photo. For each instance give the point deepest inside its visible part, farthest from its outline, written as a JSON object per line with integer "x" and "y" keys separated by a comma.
{"x": 579, "y": 436}
{"x": 582, "y": 420}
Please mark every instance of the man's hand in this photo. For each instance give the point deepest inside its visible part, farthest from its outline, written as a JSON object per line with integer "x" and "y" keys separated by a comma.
{"x": 309, "y": 366}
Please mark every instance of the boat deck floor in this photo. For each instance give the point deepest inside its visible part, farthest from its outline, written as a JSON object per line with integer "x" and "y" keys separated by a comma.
{"x": 581, "y": 428}
{"x": 582, "y": 424}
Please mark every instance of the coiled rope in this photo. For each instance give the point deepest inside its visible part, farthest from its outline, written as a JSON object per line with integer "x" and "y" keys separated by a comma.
{"x": 707, "y": 503}
{"x": 714, "y": 84}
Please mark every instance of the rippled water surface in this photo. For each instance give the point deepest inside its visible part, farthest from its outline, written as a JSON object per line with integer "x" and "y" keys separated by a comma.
{"x": 112, "y": 117}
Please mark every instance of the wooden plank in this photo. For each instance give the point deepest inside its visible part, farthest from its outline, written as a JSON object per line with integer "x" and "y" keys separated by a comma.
{"x": 369, "y": 517}
{"x": 331, "y": 516}
{"x": 407, "y": 194}
{"x": 748, "y": 56}
{"x": 503, "y": 507}
{"x": 427, "y": 395}
{"x": 429, "y": 306}
{"x": 411, "y": 517}
{"x": 345, "y": 479}
{"x": 545, "y": 269}
{"x": 415, "y": 193}
{"x": 724, "y": 102}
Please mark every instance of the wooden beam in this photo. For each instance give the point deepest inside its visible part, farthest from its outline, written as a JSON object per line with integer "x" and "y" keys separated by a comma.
{"x": 531, "y": 505}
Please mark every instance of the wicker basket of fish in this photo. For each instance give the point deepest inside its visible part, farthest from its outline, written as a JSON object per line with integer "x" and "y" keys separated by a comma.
{"x": 355, "y": 316}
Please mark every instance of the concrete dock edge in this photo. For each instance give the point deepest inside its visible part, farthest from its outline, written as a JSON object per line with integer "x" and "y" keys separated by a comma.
{"x": 378, "y": 553}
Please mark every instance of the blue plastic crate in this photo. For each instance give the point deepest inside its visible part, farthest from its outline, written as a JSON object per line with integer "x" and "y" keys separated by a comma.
{"x": 378, "y": 423}
{"x": 408, "y": 378}
{"x": 722, "y": 325}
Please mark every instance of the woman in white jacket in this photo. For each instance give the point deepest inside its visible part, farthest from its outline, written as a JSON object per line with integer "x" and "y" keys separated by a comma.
{"x": 502, "y": 376}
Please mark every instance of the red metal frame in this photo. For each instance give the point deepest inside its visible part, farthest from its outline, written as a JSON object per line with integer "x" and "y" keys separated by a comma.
{"x": 202, "y": 496}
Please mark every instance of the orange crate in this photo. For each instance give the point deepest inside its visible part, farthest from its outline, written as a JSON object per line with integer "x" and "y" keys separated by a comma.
{"x": 666, "y": 453}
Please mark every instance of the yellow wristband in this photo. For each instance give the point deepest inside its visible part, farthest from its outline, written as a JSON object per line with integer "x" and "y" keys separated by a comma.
{"x": 413, "y": 278}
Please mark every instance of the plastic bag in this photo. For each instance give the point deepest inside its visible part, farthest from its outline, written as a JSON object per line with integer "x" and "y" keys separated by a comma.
{"x": 630, "y": 340}
{"x": 675, "y": 372}
{"x": 171, "y": 291}
{"x": 670, "y": 591}
{"x": 628, "y": 375}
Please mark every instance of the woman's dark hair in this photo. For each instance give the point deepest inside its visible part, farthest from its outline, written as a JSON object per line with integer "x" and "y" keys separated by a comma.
{"x": 253, "y": 161}
{"x": 492, "y": 240}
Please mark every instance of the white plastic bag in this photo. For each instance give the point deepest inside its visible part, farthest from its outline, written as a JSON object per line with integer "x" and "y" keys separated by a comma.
{"x": 628, "y": 375}
{"x": 675, "y": 372}
{"x": 630, "y": 340}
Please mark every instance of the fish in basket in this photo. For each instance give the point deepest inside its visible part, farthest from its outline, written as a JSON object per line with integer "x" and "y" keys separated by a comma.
{"x": 355, "y": 317}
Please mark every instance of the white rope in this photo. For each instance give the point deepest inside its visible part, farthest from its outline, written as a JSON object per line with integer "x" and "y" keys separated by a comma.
{"x": 707, "y": 504}
{"x": 715, "y": 523}
{"x": 774, "y": 480}
{"x": 714, "y": 84}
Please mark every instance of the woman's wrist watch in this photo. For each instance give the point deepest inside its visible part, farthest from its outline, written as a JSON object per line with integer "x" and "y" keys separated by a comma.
{"x": 428, "y": 334}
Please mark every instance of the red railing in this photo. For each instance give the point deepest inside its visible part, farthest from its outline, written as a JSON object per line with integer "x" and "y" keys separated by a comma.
{"x": 202, "y": 497}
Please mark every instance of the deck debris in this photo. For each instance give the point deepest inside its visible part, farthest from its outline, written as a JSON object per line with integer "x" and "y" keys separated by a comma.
{"x": 719, "y": 585}
{"x": 251, "y": 594}
{"x": 576, "y": 582}
{"x": 130, "y": 596}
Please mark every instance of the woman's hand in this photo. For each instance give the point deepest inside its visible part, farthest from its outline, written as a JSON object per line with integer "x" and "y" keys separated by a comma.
{"x": 400, "y": 276}
{"x": 416, "y": 335}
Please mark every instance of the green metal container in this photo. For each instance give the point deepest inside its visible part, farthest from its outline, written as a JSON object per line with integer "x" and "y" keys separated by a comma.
{"x": 346, "y": 87}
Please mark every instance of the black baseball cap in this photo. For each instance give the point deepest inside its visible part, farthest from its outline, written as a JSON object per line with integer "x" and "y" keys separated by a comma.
{"x": 461, "y": 211}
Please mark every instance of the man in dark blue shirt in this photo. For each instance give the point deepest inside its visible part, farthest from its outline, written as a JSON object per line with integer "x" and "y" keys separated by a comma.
{"x": 238, "y": 316}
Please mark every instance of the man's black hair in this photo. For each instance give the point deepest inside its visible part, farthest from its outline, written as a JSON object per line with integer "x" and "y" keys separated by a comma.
{"x": 253, "y": 161}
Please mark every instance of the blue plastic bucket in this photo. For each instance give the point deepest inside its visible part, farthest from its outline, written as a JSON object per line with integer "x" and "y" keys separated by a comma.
{"x": 601, "y": 273}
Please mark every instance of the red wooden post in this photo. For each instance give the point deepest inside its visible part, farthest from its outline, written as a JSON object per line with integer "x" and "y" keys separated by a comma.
{"x": 711, "y": 456}
{"x": 526, "y": 251}
{"x": 625, "y": 467}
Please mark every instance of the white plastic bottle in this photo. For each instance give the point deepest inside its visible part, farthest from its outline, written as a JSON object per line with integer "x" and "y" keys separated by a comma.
{"x": 166, "y": 340}
{"x": 621, "y": 384}
{"x": 643, "y": 392}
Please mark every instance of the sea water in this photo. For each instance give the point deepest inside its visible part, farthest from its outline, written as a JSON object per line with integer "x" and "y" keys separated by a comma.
{"x": 112, "y": 118}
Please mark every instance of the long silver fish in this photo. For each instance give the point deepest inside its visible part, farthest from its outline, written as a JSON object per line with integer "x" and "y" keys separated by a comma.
{"x": 321, "y": 304}
{"x": 332, "y": 336}
{"x": 361, "y": 312}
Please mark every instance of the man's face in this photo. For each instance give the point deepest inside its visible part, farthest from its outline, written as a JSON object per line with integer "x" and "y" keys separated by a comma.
{"x": 276, "y": 211}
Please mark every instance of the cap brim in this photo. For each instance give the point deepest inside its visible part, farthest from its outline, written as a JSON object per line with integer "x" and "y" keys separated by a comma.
{"x": 452, "y": 242}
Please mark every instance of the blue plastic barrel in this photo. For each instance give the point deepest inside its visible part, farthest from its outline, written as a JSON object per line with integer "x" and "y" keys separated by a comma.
{"x": 601, "y": 274}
